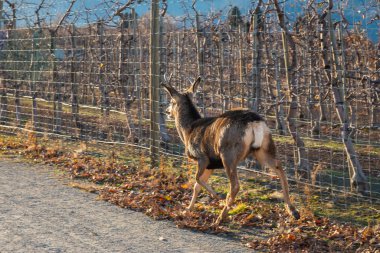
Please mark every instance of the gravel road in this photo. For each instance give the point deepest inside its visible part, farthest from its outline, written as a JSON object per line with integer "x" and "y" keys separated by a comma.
{"x": 39, "y": 213}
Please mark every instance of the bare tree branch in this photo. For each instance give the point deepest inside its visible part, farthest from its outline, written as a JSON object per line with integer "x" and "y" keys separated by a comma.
{"x": 37, "y": 12}
{"x": 13, "y": 8}
{"x": 67, "y": 13}
{"x": 119, "y": 11}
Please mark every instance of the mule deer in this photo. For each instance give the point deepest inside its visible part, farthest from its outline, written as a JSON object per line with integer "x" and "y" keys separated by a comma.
{"x": 223, "y": 141}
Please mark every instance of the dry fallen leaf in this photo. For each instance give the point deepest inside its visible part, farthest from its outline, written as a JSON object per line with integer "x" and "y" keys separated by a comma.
{"x": 185, "y": 186}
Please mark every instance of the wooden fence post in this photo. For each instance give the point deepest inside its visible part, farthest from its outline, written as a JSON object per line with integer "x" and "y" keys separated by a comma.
{"x": 57, "y": 120}
{"x": 73, "y": 77}
{"x": 33, "y": 75}
{"x": 3, "y": 78}
{"x": 154, "y": 94}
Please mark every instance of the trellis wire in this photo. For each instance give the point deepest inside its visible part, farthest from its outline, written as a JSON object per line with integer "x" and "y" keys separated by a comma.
{"x": 85, "y": 73}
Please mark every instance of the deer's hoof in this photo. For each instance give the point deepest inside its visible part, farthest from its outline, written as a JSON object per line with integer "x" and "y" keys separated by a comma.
{"x": 295, "y": 214}
{"x": 217, "y": 222}
{"x": 186, "y": 211}
{"x": 222, "y": 216}
{"x": 221, "y": 196}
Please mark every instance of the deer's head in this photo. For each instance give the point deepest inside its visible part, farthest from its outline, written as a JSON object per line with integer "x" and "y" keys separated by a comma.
{"x": 180, "y": 101}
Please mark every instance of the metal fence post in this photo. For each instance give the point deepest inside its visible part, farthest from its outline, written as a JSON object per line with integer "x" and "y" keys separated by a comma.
{"x": 154, "y": 83}
{"x": 1, "y": 13}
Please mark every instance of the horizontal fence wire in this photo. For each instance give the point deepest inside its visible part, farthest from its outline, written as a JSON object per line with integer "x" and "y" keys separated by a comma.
{"x": 82, "y": 69}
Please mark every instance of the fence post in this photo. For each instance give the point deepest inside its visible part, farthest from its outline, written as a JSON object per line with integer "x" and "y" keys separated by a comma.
{"x": 257, "y": 25}
{"x": 105, "y": 103}
{"x": 57, "y": 85}
{"x": 154, "y": 83}
{"x": 37, "y": 32}
{"x": 1, "y": 13}
{"x": 74, "y": 77}
{"x": 3, "y": 81}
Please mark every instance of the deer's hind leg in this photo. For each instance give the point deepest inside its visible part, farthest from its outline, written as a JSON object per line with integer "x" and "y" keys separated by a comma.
{"x": 266, "y": 156}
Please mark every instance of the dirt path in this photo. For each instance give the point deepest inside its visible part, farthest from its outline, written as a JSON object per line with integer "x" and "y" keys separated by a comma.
{"x": 38, "y": 213}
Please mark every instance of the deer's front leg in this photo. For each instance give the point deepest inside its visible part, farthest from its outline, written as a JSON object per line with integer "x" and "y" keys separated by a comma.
{"x": 202, "y": 165}
{"x": 197, "y": 187}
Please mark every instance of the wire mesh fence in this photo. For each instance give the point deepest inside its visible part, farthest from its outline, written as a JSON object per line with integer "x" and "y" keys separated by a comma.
{"x": 90, "y": 70}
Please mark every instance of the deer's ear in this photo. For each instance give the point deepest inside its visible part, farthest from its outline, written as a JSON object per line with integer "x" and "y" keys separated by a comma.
{"x": 194, "y": 86}
{"x": 169, "y": 89}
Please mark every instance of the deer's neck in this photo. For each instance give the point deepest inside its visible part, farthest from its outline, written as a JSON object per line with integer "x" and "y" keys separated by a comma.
{"x": 185, "y": 119}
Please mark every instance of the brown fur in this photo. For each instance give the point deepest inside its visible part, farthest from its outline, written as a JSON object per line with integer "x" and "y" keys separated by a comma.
{"x": 223, "y": 141}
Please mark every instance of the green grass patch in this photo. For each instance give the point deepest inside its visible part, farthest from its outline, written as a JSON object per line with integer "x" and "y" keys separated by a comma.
{"x": 240, "y": 208}
{"x": 354, "y": 213}
{"x": 328, "y": 144}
